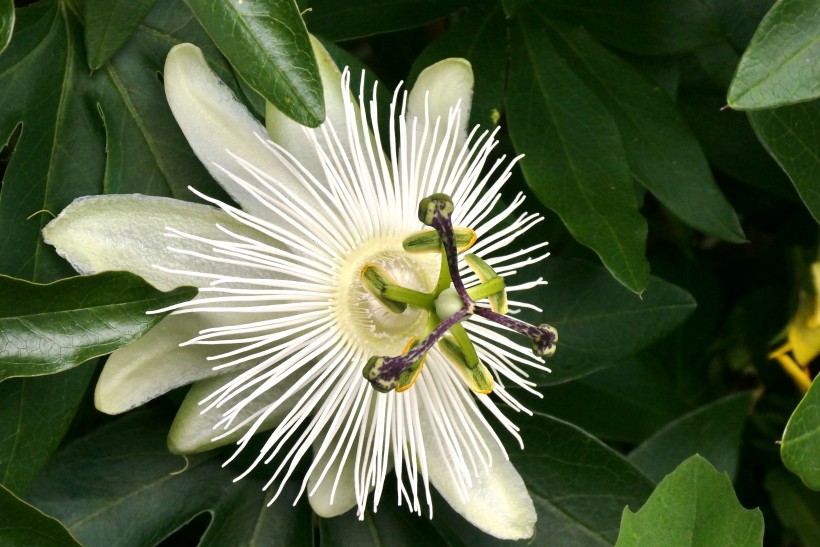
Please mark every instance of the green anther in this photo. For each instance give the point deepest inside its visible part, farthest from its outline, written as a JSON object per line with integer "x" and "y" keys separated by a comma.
{"x": 376, "y": 281}
{"x": 465, "y": 345}
{"x": 409, "y": 376}
{"x": 478, "y": 377}
{"x": 488, "y": 277}
{"x": 428, "y": 241}
{"x": 428, "y": 206}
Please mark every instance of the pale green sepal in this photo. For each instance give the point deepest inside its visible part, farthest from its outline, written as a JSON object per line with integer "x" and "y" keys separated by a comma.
{"x": 217, "y": 125}
{"x": 439, "y": 88}
{"x": 155, "y": 364}
{"x": 127, "y": 232}
{"x": 344, "y": 497}
{"x": 291, "y": 136}
{"x": 193, "y": 431}
{"x": 497, "y": 502}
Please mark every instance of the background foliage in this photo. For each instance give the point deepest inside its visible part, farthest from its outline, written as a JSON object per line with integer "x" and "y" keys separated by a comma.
{"x": 673, "y": 148}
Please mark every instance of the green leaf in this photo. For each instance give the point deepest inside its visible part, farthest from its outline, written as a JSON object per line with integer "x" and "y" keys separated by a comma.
{"x": 477, "y": 39}
{"x": 59, "y": 155}
{"x": 633, "y": 399}
{"x": 34, "y": 417}
{"x": 780, "y": 65}
{"x": 391, "y": 525}
{"x": 50, "y": 328}
{"x": 650, "y": 27}
{"x": 801, "y": 439}
{"x": 694, "y": 505}
{"x": 791, "y": 134}
{"x": 578, "y": 484}
{"x": 796, "y": 506}
{"x": 713, "y": 431}
{"x": 136, "y": 493}
{"x": 268, "y": 44}
{"x": 663, "y": 154}
{"x": 346, "y": 19}
{"x": 109, "y": 24}
{"x": 575, "y": 161}
{"x": 23, "y": 524}
{"x": 147, "y": 152}
{"x": 600, "y": 322}
{"x": 6, "y": 23}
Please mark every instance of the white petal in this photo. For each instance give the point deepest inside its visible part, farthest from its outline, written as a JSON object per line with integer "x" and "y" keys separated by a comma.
{"x": 193, "y": 431}
{"x": 126, "y": 232}
{"x": 344, "y": 498}
{"x": 155, "y": 364}
{"x": 290, "y": 135}
{"x": 216, "y": 124}
{"x": 442, "y": 86}
{"x": 497, "y": 502}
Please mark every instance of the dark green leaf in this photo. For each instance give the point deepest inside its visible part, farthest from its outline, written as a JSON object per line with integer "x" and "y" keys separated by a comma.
{"x": 34, "y": 416}
{"x": 652, "y": 27}
{"x": 268, "y": 44}
{"x": 633, "y": 399}
{"x": 791, "y": 134}
{"x": 109, "y": 24}
{"x": 49, "y": 328}
{"x": 147, "y": 152}
{"x": 476, "y": 38}
{"x": 599, "y": 322}
{"x": 346, "y": 19}
{"x": 575, "y": 164}
{"x": 780, "y": 65}
{"x": 730, "y": 142}
{"x": 713, "y": 431}
{"x": 60, "y": 154}
{"x": 22, "y": 524}
{"x": 797, "y": 507}
{"x": 6, "y": 23}
{"x": 694, "y": 505}
{"x": 578, "y": 484}
{"x": 801, "y": 439}
{"x": 136, "y": 493}
{"x": 391, "y": 525}
{"x": 662, "y": 153}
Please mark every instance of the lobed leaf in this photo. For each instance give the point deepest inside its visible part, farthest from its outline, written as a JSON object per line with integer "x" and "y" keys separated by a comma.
{"x": 576, "y": 164}
{"x": 268, "y": 44}
{"x": 6, "y": 23}
{"x": 650, "y": 27}
{"x": 23, "y": 524}
{"x": 780, "y": 65}
{"x": 713, "y": 431}
{"x": 136, "y": 493}
{"x": 108, "y": 25}
{"x": 600, "y": 322}
{"x": 35, "y": 415}
{"x": 347, "y": 19}
{"x": 50, "y": 328}
{"x": 694, "y": 505}
{"x": 662, "y": 153}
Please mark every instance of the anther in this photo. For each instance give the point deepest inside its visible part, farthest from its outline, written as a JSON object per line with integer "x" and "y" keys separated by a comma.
{"x": 428, "y": 241}
{"x": 489, "y": 280}
{"x": 376, "y": 281}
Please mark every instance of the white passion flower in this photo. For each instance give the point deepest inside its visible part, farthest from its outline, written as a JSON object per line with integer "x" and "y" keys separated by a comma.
{"x": 328, "y": 314}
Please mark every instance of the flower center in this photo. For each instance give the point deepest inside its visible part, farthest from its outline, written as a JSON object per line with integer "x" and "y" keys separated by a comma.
{"x": 446, "y": 306}
{"x": 374, "y": 327}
